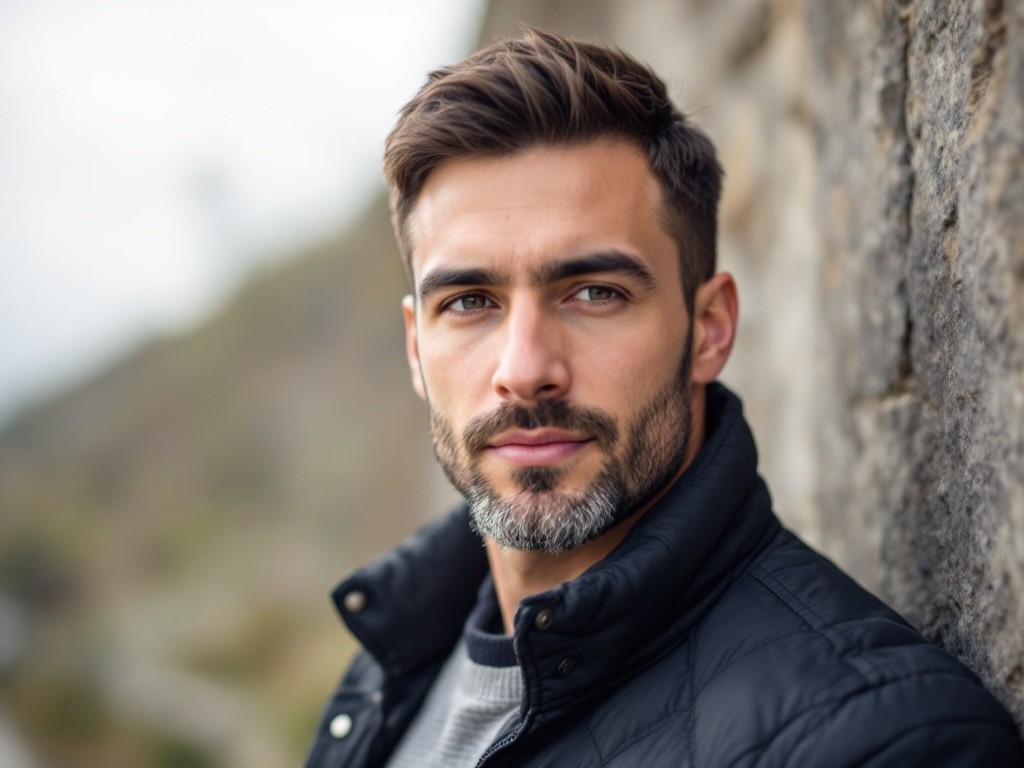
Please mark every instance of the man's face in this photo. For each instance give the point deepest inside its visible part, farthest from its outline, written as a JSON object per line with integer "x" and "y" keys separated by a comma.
{"x": 550, "y": 339}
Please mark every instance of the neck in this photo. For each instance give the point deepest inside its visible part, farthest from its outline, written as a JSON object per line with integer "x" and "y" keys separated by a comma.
{"x": 520, "y": 573}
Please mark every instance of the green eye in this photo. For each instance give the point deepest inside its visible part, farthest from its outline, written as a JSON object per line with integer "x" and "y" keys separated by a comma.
{"x": 597, "y": 293}
{"x": 469, "y": 303}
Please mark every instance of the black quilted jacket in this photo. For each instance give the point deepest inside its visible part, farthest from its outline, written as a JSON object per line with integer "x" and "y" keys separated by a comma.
{"x": 710, "y": 637}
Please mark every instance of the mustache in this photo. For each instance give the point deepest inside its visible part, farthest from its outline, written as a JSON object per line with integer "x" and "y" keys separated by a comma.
{"x": 547, "y": 413}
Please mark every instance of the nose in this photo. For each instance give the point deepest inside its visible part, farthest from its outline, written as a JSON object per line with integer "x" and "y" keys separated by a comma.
{"x": 532, "y": 364}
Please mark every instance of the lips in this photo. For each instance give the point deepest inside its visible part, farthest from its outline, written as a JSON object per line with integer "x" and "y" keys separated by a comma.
{"x": 537, "y": 447}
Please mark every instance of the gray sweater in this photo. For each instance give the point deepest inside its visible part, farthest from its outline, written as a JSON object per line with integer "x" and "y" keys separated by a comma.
{"x": 477, "y": 693}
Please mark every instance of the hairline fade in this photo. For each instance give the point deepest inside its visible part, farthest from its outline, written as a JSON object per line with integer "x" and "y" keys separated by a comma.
{"x": 543, "y": 89}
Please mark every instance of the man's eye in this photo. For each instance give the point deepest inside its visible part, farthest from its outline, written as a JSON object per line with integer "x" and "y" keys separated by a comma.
{"x": 596, "y": 293}
{"x": 468, "y": 303}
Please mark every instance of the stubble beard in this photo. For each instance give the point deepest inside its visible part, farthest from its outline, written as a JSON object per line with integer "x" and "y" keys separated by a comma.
{"x": 538, "y": 516}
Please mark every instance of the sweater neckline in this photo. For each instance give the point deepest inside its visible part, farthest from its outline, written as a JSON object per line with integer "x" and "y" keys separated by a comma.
{"x": 486, "y": 642}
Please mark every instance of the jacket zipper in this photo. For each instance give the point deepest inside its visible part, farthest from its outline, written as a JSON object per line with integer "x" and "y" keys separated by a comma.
{"x": 501, "y": 744}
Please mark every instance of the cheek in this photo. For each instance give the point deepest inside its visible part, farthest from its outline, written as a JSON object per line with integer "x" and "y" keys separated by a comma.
{"x": 628, "y": 369}
{"x": 456, "y": 375}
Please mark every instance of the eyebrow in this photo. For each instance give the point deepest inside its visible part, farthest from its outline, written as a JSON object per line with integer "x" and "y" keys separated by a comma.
{"x": 605, "y": 261}
{"x": 448, "y": 277}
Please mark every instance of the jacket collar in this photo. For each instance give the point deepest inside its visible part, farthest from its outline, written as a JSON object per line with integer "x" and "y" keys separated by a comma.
{"x": 616, "y": 618}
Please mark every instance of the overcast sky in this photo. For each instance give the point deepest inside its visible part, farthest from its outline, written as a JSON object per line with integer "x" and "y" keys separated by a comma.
{"x": 153, "y": 150}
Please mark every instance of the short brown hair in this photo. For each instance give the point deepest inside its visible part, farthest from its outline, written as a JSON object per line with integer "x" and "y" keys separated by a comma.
{"x": 544, "y": 89}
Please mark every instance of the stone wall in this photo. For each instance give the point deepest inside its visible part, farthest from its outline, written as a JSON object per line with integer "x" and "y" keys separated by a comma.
{"x": 920, "y": 145}
{"x": 874, "y": 218}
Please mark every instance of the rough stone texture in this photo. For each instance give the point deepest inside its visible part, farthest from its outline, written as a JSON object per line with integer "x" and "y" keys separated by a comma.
{"x": 921, "y": 204}
{"x": 874, "y": 218}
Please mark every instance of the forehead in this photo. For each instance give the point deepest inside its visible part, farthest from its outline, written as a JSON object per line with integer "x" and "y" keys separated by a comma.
{"x": 539, "y": 204}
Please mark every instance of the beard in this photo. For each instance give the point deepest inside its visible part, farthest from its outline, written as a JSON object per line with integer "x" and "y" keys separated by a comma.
{"x": 537, "y": 515}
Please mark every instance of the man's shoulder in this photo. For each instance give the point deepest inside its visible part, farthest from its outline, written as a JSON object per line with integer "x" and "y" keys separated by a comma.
{"x": 796, "y": 660}
{"x": 807, "y": 662}
{"x": 792, "y": 598}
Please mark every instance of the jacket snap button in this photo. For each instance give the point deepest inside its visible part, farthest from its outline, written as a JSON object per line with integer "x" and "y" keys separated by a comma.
{"x": 566, "y": 667}
{"x": 544, "y": 619}
{"x": 341, "y": 726}
{"x": 355, "y": 601}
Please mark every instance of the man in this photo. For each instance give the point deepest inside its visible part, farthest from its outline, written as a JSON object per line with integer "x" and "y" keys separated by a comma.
{"x": 617, "y": 591}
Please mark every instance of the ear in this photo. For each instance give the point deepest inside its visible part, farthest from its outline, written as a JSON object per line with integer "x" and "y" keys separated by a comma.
{"x": 716, "y": 311}
{"x": 412, "y": 350}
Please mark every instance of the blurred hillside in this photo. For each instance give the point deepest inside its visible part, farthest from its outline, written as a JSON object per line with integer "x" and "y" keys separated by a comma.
{"x": 171, "y": 527}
